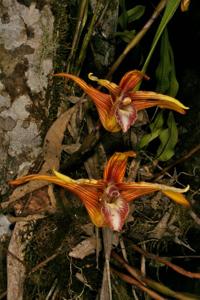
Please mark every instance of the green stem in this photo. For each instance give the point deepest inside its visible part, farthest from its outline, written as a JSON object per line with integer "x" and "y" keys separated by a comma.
{"x": 87, "y": 39}
{"x": 82, "y": 17}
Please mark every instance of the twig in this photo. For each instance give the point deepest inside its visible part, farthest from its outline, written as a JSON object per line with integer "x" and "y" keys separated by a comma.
{"x": 45, "y": 262}
{"x": 15, "y": 257}
{"x": 167, "y": 263}
{"x": 52, "y": 290}
{"x": 159, "y": 287}
{"x": 177, "y": 162}
{"x": 122, "y": 245}
{"x": 137, "y": 38}
{"x": 28, "y": 218}
{"x": 132, "y": 271}
{"x": 133, "y": 281}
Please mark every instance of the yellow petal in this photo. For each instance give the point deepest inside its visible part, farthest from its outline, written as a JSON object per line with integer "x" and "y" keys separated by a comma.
{"x": 177, "y": 197}
{"x": 116, "y": 166}
{"x": 146, "y": 99}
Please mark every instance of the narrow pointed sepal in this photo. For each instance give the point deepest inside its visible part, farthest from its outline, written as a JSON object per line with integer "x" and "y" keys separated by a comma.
{"x": 87, "y": 190}
{"x": 177, "y": 197}
{"x": 116, "y": 166}
{"x": 145, "y": 99}
{"x": 131, "y": 191}
{"x": 113, "y": 88}
{"x": 130, "y": 80}
{"x": 102, "y": 101}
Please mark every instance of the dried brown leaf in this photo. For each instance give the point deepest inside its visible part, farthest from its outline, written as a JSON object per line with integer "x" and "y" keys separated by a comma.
{"x": 75, "y": 121}
{"x": 84, "y": 248}
{"x": 70, "y": 149}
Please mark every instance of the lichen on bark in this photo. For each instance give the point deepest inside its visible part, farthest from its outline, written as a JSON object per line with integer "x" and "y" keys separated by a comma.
{"x": 26, "y": 59}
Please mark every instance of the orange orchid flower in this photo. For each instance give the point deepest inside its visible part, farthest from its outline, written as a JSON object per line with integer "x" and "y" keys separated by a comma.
{"x": 118, "y": 109}
{"x": 107, "y": 200}
{"x": 185, "y": 5}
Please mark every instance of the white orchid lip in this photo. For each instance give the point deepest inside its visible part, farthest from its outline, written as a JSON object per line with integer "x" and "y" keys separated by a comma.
{"x": 115, "y": 213}
{"x": 114, "y": 208}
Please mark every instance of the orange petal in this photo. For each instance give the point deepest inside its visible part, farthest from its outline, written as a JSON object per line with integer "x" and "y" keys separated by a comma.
{"x": 116, "y": 166}
{"x": 102, "y": 101}
{"x": 145, "y": 99}
{"x": 131, "y": 79}
{"x": 133, "y": 190}
{"x": 87, "y": 192}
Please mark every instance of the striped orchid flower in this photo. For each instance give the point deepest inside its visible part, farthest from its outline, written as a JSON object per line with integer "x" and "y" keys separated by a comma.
{"x": 107, "y": 200}
{"x": 118, "y": 110}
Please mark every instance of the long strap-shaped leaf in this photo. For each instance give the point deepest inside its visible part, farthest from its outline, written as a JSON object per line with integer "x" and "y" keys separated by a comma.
{"x": 168, "y": 14}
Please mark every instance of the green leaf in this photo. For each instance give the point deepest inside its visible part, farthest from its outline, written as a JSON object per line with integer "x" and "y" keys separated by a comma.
{"x": 165, "y": 72}
{"x": 174, "y": 86}
{"x": 158, "y": 122}
{"x": 147, "y": 138}
{"x": 168, "y": 14}
{"x": 126, "y": 35}
{"x": 135, "y": 13}
{"x": 123, "y": 19}
{"x": 168, "y": 138}
{"x": 156, "y": 128}
{"x": 130, "y": 15}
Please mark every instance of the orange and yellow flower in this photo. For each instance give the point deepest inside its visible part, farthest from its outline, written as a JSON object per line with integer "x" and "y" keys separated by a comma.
{"x": 107, "y": 200}
{"x": 118, "y": 110}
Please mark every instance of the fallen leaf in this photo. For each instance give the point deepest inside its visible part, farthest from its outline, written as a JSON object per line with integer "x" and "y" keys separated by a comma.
{"x": 70, "y": 149}
{"x": 74, "y": 125}
{"x": 88, "y": 229}
{"x": 84, "y": 248}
